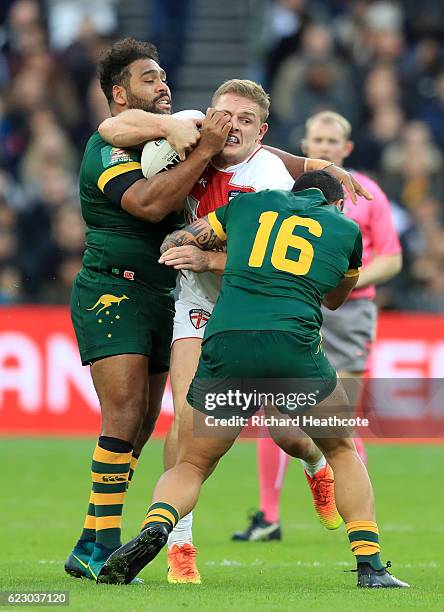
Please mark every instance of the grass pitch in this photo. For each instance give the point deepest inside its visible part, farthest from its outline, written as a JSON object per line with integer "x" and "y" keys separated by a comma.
{"x": 45, "y": 488}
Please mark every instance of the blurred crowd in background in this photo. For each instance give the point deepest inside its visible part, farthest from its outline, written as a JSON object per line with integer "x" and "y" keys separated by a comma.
{"x": 379, "y": 63}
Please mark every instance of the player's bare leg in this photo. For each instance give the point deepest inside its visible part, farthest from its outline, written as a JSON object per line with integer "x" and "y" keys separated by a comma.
{"x": 156, "y": 389}
{"x": 353, "y": 489}
{"x": 353, "y": 387}
{"x": 181, "y": 553}
{"x": 185, "y": 355}
{"x": 175, "y": 495}
{"x": 197, "y": 458}
{"x": 121, "y": 383}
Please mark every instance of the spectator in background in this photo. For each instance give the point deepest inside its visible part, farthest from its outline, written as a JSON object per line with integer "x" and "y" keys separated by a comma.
{"x": 422, "y": 282}
{"x": 10, "y": 277}
{"x": 432, "y": 110}
{"x": 383, "y": 129}
{"x": 379, "y": 62}
{"x": 39, "y": 248}
{"x": 422, "y": 65}
{"x": 68, "y": 236}
{"x": 314, "y": 80}
{"x": 285, "y": 22}
{"x": 66, "y": 19}
{"x": 382, "y": 116}
{"x": 45, "y": 113}
{"x": 10, "y": 284}
{"x": 48, "y": 146}
{"x": 170, "y": 22}
{"x": 98, "y": 109}
{"x": 412, "y": 166}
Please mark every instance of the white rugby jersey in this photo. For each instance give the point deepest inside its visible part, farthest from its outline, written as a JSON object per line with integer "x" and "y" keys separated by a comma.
{"x": 215, "y": 188}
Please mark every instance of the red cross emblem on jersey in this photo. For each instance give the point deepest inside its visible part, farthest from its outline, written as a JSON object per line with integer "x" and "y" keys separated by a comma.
{"x": 199, "y": 317}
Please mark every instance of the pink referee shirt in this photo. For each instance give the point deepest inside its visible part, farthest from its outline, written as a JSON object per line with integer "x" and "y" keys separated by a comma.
{"x": 379, "y": 236}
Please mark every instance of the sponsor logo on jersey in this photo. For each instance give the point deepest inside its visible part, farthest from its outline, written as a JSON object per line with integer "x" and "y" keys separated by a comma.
{"x": 233, "y": 193}
{"x": 199, "y": 317}
{"x": 128, "y": 274}
{"x": 115, "y": 155}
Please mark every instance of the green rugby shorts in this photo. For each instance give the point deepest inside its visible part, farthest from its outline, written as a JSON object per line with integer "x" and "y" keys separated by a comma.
{"x": 277, "y": 362}
{"x": 118, "y": 318}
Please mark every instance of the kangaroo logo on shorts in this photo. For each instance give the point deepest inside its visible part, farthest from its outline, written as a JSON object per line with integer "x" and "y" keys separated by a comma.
{"x": 106, "y": 300}
{"x": 199, "y": 317}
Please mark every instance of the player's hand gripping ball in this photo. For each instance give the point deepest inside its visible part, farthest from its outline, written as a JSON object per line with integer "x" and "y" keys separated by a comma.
{"x": 158, "y": 155}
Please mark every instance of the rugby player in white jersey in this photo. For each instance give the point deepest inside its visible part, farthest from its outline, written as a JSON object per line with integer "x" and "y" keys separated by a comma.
{"x": 243, "y": 166}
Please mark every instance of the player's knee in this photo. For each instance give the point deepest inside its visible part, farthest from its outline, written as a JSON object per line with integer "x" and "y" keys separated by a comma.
{"x": 125, "y": 407}
{"x": 298, "y": 447}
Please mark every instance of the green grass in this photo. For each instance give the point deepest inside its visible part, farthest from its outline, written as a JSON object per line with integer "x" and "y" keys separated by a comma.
{"x": 45, "y": 485}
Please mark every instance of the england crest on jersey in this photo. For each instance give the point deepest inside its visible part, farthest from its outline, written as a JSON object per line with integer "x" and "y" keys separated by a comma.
{"x": 199, "y": 317}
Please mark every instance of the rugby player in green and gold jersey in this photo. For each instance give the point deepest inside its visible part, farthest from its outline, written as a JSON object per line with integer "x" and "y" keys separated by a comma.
{"x": 122, "y": 308}
{"x": 288, "y": 252}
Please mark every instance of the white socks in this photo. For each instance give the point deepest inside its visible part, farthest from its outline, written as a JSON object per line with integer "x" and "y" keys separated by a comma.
{"x": 312, "y": 468}
{"x": 182, "y": 532}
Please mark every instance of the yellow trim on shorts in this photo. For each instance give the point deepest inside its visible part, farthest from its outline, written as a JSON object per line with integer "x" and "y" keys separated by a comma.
{"x": 352, "y": 272}
{"x": 111, "y": 173}
{"x": 217, "y": 226}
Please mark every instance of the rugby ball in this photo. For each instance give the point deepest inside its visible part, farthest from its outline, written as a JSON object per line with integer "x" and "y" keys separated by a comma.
{"x": 158, "y": 155}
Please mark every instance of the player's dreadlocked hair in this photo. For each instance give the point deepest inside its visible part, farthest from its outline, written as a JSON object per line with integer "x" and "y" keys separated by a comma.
{"x": 328, "y": 184}
{"x": 113, "y": 68}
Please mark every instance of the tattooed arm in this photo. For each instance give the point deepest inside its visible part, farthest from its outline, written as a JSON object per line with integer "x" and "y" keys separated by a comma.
{"x": 199, "y": 234}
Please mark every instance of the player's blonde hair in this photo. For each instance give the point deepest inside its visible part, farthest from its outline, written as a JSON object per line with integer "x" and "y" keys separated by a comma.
{"x": 330, "y": 117}
{"x": 248, "y": 89}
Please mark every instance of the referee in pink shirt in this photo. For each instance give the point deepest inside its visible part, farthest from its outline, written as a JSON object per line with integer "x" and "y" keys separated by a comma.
{"x": 348, "y": 333}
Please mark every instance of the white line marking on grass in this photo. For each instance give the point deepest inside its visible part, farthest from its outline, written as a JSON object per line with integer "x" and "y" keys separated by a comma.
{"x": 311, "y": 564}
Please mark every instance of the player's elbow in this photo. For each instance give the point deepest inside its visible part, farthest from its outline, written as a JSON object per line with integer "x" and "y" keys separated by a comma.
{"x": 137, "y": 202}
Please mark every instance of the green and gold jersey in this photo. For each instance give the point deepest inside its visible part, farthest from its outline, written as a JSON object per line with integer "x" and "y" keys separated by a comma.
{"x": 285, "y": 252}
{"x": 119, "y": 245}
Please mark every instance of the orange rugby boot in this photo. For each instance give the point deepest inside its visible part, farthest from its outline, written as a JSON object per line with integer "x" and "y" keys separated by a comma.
{"x": 182, "y": 566}
{"x": 322, "y": 489}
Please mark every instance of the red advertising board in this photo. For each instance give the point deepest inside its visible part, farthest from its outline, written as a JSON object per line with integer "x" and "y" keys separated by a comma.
{"x": 44, "y": 389}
